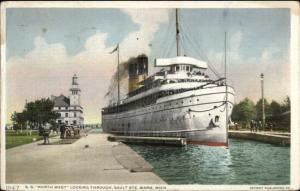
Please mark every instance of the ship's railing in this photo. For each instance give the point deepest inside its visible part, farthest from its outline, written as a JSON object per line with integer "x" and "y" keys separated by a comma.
{"x": 151, "y": 99}
{"x": 163, "y": 82}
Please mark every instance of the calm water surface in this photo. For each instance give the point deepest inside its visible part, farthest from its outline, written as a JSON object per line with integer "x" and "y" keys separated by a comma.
{"x": 245, "y": 162}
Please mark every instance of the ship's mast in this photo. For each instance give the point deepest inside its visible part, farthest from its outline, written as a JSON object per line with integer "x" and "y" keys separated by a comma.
{"x": 118, "y": 68}
{"x": 226, "y": 93}
{"x": 177, "y": 34}
{"x": 118, "y": 74}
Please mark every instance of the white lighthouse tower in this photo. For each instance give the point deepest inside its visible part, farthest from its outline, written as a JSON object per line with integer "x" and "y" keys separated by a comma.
{"x": 75, "y": 109}
{"x": 75, "y": 92}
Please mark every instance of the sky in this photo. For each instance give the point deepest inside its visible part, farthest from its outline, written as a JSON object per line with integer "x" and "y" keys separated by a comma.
{"x": 45, "y": 47}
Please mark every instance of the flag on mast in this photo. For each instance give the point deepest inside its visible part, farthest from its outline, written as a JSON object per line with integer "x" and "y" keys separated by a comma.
{"x": 114, "y": 50}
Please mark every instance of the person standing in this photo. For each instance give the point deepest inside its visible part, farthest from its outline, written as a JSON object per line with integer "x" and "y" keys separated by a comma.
{"x": 251, "y": 126}
{"x": 46, "y": 133}
{"x": 254, "y": 126}
{"x": 259, "y": 126}
{"x": 236, "y": 126}
{"x": 62, "y": 131}
{"x": 271, "y": 126}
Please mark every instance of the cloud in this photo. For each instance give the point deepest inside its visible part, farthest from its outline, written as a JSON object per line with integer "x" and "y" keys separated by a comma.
{"x": 148, "y": 21}
{"x": 48, "y": 69}
{"x": 137, "y": 42}
{"x": 269, "y": 53}
{"x": 235, "y": 41}
{"x": 248, "y": 69}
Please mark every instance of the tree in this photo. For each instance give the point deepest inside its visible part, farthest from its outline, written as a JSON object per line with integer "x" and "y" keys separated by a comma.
{"x": 275, "y": 108}
{"x": 14, "y": 119}
{"x": 31, "y": 114}
{"x": 19, "y": 120}
{"x": 42, "y": 112}
{"x": 46, "y": 113}
{"x": 244, "y": 111}
{"x": 258, "y": 107}
{"x": 36, "y": 113}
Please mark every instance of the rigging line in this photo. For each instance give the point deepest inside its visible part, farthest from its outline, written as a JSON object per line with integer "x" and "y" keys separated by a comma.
{"x": 209, "y": 65}
{"x": 171, "y": 36}
{"x": 195, "y": 45}
{"x": 161, "y": 45}
{"x": 185, "y": 46}
{"x": 165, "y": 34}
{"x": 184, "y": 43}
{"x": 169, "y": 48}
{"x": 165, "y": 48}
{"x": 166, "y": 41}
{"x": 191, "y": 42}
{"x": 187, "y": 31}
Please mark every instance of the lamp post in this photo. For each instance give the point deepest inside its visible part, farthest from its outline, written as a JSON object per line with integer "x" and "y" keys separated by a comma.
{"x": 263, "y": 101}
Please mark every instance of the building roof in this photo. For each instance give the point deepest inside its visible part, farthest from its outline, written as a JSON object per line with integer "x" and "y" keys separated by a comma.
{"x": 60, "y": 101}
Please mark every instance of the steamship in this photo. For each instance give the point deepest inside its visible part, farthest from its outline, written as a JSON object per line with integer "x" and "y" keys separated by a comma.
{"x": 181, "y": 100}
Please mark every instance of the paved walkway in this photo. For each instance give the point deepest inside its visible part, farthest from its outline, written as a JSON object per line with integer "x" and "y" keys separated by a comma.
{"x": 101, "y": 162}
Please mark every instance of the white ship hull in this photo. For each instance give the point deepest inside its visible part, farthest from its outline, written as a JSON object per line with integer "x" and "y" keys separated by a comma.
{"x": 198, "y": 115}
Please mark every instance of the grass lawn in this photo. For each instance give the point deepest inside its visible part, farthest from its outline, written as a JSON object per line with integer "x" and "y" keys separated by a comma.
{"x": 13, "y": 139}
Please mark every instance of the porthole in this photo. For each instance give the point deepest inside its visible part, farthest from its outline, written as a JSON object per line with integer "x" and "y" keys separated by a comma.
{"x": 217, "y": 119}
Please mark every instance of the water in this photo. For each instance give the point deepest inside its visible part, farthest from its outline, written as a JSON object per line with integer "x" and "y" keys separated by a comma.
{"x": 245, "y": 162}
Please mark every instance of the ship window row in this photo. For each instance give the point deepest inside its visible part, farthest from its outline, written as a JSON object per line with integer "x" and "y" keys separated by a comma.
{"x": 183, "y": 67}
{"x": 147, "y": 101}
{"x": 159, "y": 83}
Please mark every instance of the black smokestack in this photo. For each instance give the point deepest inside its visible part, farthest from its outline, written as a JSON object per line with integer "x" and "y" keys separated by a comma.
{"x": 129, "y": 66}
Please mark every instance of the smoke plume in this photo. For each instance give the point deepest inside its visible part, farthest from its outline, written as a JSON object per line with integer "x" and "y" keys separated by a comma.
{"x": 112, "y": 93}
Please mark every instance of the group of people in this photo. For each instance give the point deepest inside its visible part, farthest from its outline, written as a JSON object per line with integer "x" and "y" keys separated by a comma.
{"x": 255, "y": 126}
{"x": 258, "y": 126}
{"x": 68, "y": 131}
{"x": 65, "y": 131}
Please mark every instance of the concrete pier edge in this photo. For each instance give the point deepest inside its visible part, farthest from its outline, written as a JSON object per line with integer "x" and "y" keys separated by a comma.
{"x": 266, "y": 137}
